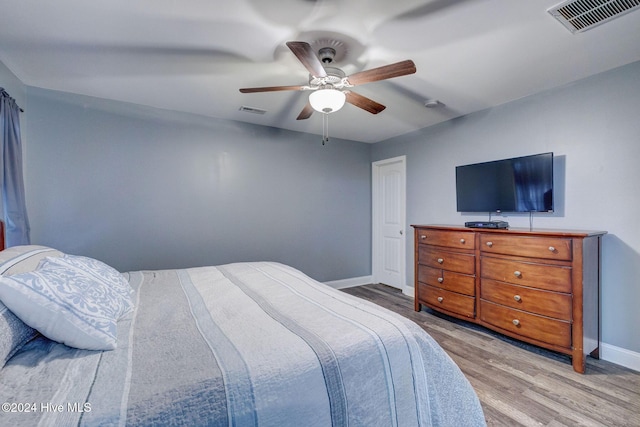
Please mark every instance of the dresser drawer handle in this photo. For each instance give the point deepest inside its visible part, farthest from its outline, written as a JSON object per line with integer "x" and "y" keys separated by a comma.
{"x": 440, "y": 260}
{"x": 423, "y": 236}
{"x": 515, "y": 322}
{"x": 490, "y": 244}
{"x": 462, "y": 241}
{"x": 517, "y": 273}
{"x": 552, "y": 249}
{"x": 440, "y": 279}
{"x": 517, "y": 298}
{"x": 440, "y": 299}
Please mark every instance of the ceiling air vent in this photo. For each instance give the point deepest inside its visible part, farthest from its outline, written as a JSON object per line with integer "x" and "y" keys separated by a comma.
{"x": 581, "y": 15}
{"x": 253, "y": 110}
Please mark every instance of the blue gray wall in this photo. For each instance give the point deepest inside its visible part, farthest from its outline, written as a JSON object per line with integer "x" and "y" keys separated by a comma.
{"x": 593, "y": 129}
{"x": 142, "y": 188}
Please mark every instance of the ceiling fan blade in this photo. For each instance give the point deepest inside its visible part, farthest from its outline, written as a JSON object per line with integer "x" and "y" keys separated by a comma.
{"x": 398, "y": 69}
{"x": 363, "y": 102}
{"x": 305, "y": 54}
{"x": 306, "y": 112}
{"x": 270, "y": 89}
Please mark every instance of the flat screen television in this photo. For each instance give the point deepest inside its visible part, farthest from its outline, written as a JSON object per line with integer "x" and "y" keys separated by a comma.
{"x": 519, "y": 184}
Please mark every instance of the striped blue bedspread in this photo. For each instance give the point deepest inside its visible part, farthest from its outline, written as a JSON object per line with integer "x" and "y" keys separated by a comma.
{"x": 247, "y": 344}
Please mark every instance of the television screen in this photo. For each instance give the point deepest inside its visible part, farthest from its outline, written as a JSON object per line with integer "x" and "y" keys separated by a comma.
{"x": 521, "y": 184}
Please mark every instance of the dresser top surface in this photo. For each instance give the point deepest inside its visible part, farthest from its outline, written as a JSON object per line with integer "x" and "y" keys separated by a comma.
{"x": 516, "y": 230}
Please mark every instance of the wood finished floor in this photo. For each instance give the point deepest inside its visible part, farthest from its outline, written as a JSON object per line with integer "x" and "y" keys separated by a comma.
{"x": 521, "y": 385}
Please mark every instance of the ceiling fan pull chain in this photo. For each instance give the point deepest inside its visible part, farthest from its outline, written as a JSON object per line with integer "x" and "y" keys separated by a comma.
{"x": 325, "y": 128}
{"x": 326, "y": 133}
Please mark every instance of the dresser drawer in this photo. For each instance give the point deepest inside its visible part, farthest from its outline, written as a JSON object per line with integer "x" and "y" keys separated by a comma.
{"x": 452, "y": 261}
{"x": 441, "y": 299}
{"x": 450, "y": 239}
{"x": 536, "y": 247}
{"x": 549, "y": 277}
{"x": 544, "y": 329}
{"x": 545, "y": 303}
{"x": 456, "y": 282}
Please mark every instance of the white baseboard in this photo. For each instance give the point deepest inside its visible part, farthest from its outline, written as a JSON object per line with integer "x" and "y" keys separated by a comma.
{"x": 364, "y": 280}
{"x": 349, "y": 283}
{"x": 620, "y": 356}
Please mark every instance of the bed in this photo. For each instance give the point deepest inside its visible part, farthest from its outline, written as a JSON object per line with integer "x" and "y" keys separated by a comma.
{"x": 244, "y": 344}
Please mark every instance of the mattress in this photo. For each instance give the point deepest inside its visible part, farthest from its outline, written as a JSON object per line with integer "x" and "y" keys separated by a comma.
{"x": 245, "y": 344}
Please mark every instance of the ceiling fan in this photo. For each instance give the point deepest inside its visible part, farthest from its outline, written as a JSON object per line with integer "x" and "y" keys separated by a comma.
{"x": 331, "y": 87}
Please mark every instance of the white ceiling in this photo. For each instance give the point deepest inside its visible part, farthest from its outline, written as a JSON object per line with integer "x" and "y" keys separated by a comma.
{"x": 194, "y": 55}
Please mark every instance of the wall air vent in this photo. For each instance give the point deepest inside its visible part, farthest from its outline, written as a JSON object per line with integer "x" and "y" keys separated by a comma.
{"x": 581, "y": 15}
{"x": 252, "y": 110}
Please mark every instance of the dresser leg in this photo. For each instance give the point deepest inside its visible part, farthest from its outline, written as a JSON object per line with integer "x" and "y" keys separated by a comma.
{"x": 578, "y": 362}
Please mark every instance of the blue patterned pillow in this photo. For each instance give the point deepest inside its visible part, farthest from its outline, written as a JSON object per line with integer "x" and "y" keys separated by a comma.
{"x": 98, "y": 271}
{"x": 13, "y": 332}
{"x": 65, "y": 305}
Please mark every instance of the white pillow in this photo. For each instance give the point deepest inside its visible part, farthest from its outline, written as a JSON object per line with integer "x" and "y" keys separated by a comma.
{"x": 98, "y": 271}
{"x": 20, "y": 259}
{"x": 65, "y": 305}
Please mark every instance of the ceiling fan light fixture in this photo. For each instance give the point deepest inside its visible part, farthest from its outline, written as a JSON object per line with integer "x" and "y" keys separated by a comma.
{"x": 327, "y": 100}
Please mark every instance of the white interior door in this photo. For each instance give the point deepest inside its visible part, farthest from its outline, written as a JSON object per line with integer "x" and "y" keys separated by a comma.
{"x": 389, "y": 212}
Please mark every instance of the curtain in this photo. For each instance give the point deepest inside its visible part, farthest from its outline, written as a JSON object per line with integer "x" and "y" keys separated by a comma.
{"x": 11, "y": 179}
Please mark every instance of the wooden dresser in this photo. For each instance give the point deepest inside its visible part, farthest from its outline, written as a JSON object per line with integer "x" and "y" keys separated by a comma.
{"x": 539, "y": 286}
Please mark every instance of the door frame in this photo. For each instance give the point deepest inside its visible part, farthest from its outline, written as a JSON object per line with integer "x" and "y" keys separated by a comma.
{"x": 376, "y": 232}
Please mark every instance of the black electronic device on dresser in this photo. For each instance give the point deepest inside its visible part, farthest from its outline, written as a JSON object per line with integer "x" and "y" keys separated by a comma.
{"x": 487, "y": 224}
